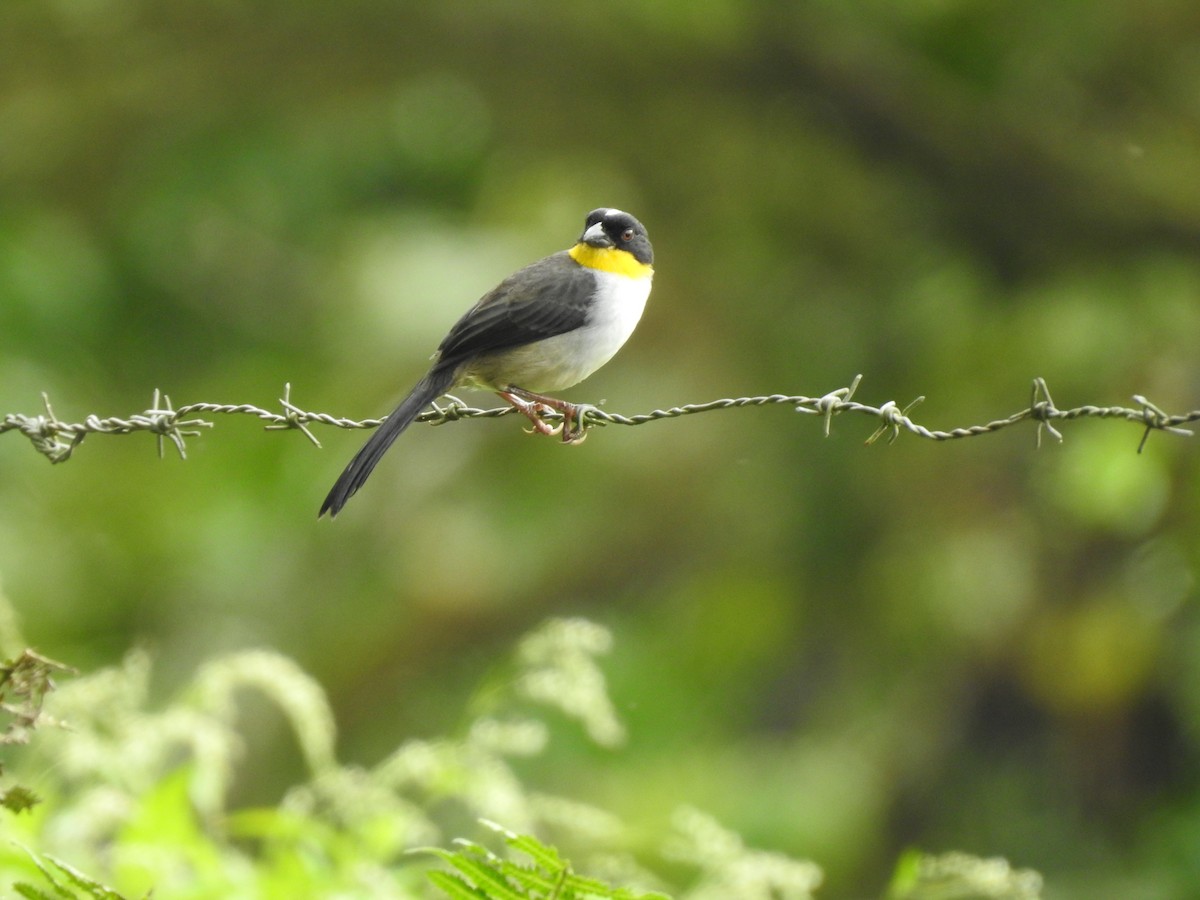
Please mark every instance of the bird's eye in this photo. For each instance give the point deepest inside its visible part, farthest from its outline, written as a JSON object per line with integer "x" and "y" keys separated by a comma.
{"x": 627, "y": 235}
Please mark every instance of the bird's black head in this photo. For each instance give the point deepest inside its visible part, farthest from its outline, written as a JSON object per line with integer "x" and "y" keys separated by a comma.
{"x": 606, "y": 227}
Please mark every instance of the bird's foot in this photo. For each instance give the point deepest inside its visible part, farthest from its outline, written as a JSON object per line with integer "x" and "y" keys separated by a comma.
{"x": 574, "y": 422}
{"x": 573, "y": 426}
{"x": 532, "y": 409}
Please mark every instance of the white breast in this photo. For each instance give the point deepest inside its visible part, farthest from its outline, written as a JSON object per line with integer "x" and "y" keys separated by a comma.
{"x": 565, "y": 360}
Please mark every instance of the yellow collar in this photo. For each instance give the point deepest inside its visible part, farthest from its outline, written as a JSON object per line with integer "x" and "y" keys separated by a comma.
{"x": 610, "y": 259}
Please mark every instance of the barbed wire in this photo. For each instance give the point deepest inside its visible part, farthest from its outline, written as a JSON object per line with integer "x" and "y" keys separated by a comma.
{"x": 57, "y": 440}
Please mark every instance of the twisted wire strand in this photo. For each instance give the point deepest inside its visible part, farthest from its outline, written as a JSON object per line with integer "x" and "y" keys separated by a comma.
{"x": 57, "y": 440}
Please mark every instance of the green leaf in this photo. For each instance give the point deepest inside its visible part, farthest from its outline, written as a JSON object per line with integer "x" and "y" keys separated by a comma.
{"x": 32, "y": 893}
{"x": 80, "y": 880}
{"x": 481, "y": 868}
{"x": 59, "y": 890}
{"x": 542, "y": 855}
{"x": 454, "y": 886}
{"x": 19, "y": 799}
{"x": 907, "y": 873}
{"x": 485, "y": 875}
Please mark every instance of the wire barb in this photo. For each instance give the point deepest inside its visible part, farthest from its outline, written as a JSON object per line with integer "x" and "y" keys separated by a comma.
{"x": 162, "y": 421}
{"x": 1156, "y": 419}
{"x": 440, "y": 415}
{"x": 293, "y": 416}
{"x": 44, "y": 432}
{"x": 894, "y": 419}
{"x": 57, "y": 440}
{"x": 1041, "y": 408}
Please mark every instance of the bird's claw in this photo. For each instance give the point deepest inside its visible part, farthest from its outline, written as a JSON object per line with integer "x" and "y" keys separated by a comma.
{"x": 535, "y": 413}
{"x": 575, "y": 427}
{"x": 536, "y": 407}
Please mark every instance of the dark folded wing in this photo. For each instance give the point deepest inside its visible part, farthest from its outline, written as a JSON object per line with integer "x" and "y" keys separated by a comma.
{"x": 546, "y": 298}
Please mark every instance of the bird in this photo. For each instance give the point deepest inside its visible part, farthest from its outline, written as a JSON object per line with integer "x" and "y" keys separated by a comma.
{"x": 544, "y": 328}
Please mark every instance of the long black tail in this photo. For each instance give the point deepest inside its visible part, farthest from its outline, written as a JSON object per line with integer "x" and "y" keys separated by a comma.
{"x": 432, "y": 386}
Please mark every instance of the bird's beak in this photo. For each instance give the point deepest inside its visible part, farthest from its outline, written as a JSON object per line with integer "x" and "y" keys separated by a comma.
{"x": 595, "y": 237}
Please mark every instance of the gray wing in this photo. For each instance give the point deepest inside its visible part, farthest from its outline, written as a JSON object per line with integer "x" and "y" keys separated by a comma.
{"x": 546, "y": 298}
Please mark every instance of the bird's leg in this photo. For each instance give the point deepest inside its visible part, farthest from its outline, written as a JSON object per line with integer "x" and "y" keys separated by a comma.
{"x": 573, "y": 429}
{"x": 530, "y": 408}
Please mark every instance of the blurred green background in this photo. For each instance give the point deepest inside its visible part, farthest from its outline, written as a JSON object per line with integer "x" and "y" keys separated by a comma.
{"x": 839, "y": 651}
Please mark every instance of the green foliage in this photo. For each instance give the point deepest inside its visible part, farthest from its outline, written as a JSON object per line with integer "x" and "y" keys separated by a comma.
{"x": 142, "y": 791}
{"x": 24, "y": 684}
{"x": 66, "y": 882}
{"x": 728, "y": 868}
{"x": 141, "y": 794}
{"x": 957, "y": 876}
{"x": 18, "y": 799}
{"x": 154, "y": 783}
{"x": 482, "y": 875}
